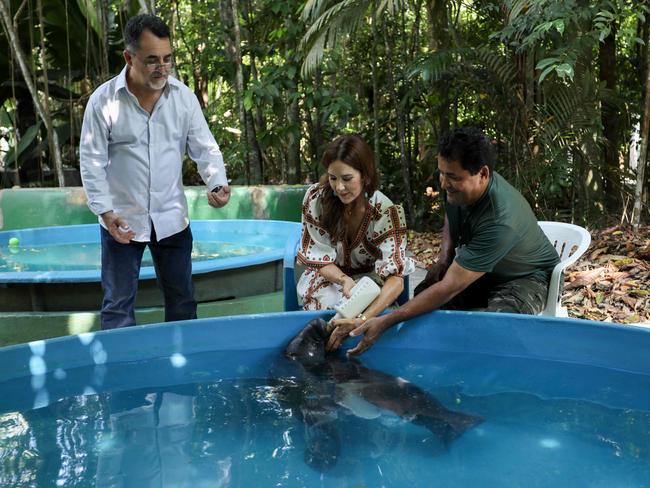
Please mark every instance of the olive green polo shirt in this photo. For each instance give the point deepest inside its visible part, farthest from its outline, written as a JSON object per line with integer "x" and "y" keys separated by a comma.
{"x": 499, "y": 235}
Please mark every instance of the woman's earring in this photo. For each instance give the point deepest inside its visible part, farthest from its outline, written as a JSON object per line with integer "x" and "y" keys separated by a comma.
{"x": 334, "y": 193}
{"x": 365, "y": 194}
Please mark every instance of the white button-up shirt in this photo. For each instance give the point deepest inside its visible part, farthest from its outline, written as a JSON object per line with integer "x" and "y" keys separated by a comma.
{"x": 132, "y": 161}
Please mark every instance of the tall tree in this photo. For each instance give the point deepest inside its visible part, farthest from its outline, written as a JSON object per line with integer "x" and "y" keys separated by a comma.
{"x": 252, "y": 152}
{"x": 643, "y": 156}
{"x": 400, "y": 118}
{"x": 611, "y": 123}
{"x": 440, "y": 39}
{"x": 42, "y": 110}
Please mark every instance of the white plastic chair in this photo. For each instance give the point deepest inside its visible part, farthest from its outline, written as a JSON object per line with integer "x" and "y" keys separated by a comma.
{"x": 564, "y": 237}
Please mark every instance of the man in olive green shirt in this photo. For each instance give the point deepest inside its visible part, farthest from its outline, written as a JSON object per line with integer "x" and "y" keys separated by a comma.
{"x": 493, "y": 257}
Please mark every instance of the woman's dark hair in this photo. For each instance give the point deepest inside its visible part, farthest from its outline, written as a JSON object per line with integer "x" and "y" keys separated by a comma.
{"x": 140, "y": 23}
{"x": 353, "y": 151}
{"x": 470, "y": 147}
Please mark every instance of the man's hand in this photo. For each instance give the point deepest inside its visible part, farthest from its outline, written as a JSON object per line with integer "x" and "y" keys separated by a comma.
{"x": 117, "y": 227}
{"x": 220, "y": 198}
{"x": 435, "y": 273}
{"x": 341, "y": 332}
{"x": 372, "y": 329}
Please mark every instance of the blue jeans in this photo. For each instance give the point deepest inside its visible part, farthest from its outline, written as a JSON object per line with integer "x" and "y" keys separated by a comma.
{"x": 172, "y": 258}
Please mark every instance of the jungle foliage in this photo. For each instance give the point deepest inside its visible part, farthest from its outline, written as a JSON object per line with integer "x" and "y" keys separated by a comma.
{"x": 557, "y": 84}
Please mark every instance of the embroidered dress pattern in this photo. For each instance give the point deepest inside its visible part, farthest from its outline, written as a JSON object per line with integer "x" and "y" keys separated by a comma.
{"x": 379, "y": 247}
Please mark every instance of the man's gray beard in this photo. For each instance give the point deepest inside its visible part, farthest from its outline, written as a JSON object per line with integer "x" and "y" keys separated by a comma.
{"x": 158, "y": 84}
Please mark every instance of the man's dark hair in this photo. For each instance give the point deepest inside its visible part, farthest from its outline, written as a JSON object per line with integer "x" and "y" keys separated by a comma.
{"x": 138, "y": 24}
{"x": 469, "y": 146}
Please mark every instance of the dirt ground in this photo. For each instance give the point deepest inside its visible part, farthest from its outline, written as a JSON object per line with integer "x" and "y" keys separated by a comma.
{"x": 610, "y": 282}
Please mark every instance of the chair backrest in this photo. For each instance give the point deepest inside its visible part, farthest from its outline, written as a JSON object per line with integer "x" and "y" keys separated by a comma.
{"x": 289, "y": 274}
{"x": 289, "y": 265}
{"x": 570, "y": 242}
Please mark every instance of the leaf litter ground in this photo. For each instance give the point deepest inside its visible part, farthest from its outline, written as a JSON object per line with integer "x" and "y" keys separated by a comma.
{"x": 609, "y": 283}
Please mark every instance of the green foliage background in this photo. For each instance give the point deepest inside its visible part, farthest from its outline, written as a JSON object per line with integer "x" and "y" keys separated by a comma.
{"x": 557, "y": 84}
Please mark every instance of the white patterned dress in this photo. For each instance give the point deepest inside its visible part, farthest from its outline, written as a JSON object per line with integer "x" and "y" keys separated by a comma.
{"x": 379, "y": 247}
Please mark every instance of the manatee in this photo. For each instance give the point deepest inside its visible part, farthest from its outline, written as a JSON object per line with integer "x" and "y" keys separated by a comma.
{"x": 329, "y": 384}
{"x": 308, "y": 347}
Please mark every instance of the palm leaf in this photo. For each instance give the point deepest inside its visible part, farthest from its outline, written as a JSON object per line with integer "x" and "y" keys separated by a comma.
{"x": 23, "y": 144}
{"x": 332, "y": 22}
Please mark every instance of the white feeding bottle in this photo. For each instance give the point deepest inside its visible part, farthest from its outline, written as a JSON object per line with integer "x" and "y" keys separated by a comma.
{"x": 361, "y": 295}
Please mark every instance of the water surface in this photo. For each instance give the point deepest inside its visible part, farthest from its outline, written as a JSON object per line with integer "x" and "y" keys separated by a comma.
{"x": 224, "y": 419}
{"x": 87, "y": 256}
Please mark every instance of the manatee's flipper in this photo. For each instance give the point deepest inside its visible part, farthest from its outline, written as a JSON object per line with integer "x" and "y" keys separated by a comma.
{"x": 309, "y": 345}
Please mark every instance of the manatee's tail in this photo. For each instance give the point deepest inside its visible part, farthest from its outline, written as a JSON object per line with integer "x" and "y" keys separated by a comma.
{"x": 457, "y": 423}
{"x": 450, "y": 426}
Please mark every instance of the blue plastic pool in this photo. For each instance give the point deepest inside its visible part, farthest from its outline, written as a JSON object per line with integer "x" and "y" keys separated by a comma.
{"x": 58, "y": 268}
{"x": 205, "y": 403}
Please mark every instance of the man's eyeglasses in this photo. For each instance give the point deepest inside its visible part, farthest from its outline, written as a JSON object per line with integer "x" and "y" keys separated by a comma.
{"x": 155, "y": 65}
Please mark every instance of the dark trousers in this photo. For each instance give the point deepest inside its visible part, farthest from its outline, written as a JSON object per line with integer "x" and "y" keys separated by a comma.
{"x": 522, "y": 295}
{"x": 172, "y": 258}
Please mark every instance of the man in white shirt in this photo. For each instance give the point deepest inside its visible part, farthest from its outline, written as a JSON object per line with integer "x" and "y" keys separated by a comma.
{"x": 136, "y": 129}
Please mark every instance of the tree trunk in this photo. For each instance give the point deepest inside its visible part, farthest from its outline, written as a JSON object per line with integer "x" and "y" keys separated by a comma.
{"x": 401, "y": 133}
{"x": 586, "y": 155}
{"x": 257, "y": 177}
{"x": 147, "y": 6}
{"x": 200, "y": 80}
{"x": 439, "y": 39}
{"x": 232, "y": 49}
{"x": 52, "y": 136}
{"x": 641, "y": 51}
{"x": 255, "y": 157}
{"x": 102, "y": 15}
{"x": 43, "y": 112}
{"x": 609, "y": 118}
{"x": 313, "y": 119}
{"x": 259, "y": 122}
{"x": 375, "y": 85}
{"x": 293, "y": 149}
{"x": 252, "y": 155}
{"x": 643, "y": 153}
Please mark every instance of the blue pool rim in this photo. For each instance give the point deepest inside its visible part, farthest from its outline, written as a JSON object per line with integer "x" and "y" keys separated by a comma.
{"x": 224, "y": 230}
{"x": 603, "y": 345}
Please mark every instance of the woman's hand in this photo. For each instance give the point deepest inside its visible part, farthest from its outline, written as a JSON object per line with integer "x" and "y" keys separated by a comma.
{"x": 347, "y": 284}
{"x": 342, "y": 330}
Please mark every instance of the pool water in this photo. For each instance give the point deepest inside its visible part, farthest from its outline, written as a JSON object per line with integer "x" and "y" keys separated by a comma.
{"x": 87, "y": 256}
{"x": 225, "y": 419}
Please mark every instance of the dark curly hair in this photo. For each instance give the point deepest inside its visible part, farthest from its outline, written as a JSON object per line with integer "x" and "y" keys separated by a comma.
{"x": 470, "y": 147}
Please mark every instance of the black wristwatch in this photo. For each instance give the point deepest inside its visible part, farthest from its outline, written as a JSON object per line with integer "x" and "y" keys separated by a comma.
{"x": 217, "y": 189}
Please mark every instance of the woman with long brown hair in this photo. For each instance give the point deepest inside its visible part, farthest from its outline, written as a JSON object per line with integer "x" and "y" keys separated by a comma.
{"x": 350, "y": 228}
